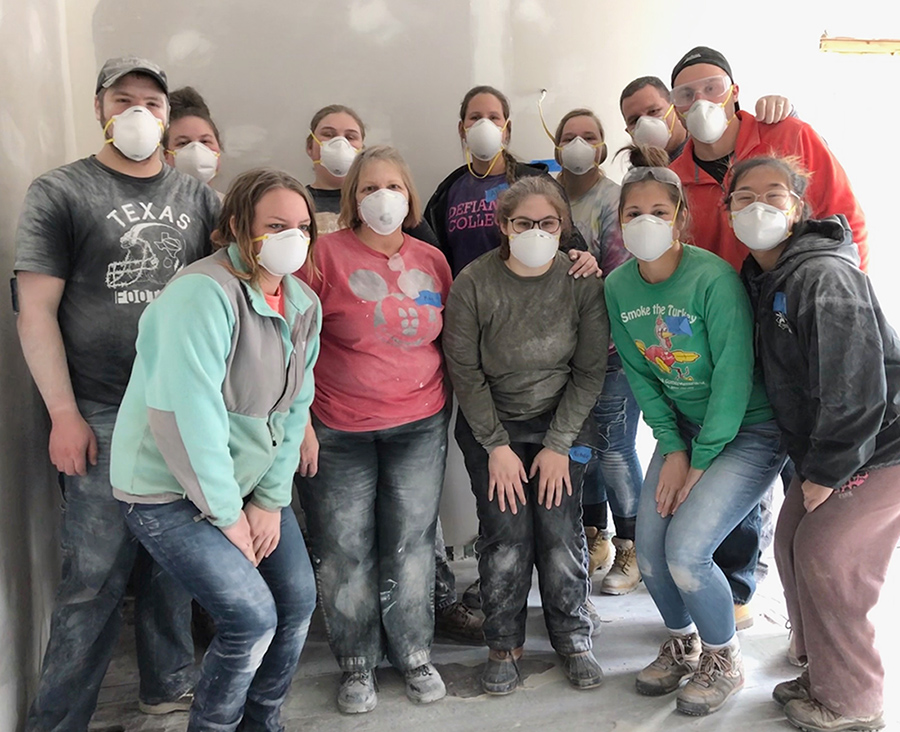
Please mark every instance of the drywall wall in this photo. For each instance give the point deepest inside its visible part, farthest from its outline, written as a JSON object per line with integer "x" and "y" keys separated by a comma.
{"x": 265, "y": 66}
{"x": 35, "y": 135}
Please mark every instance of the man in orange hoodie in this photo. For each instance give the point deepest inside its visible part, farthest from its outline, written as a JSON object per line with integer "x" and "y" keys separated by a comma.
{"x": 706, "y": 98}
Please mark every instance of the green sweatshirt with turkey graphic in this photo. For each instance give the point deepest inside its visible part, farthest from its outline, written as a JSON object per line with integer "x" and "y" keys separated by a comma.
{"x": 687, "y": 347}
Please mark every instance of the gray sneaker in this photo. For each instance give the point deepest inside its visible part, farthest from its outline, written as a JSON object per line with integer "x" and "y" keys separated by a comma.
{"x": 678, "y": 658}
{"x": 794, "y": 689}
{"x": 181, "y": 704}
{"x": 594, "y": 617}
{"x": 424, "y": 684}
{"x": 719, "y": 676}
{"x": 357, "y": 692}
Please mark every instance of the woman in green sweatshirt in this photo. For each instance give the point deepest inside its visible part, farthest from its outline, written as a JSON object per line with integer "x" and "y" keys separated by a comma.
{"x": 682, "y": 323}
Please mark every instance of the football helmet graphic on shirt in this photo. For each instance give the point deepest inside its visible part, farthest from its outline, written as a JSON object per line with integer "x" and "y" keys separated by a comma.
{"x": 154, "y": 252}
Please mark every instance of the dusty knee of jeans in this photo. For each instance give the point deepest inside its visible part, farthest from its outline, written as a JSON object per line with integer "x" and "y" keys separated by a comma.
{"x": 259, "y": 648}
{"x": 686, "y": 567}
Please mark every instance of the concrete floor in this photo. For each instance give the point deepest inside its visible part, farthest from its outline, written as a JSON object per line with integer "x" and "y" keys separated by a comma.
{"x": 629, "y": 640}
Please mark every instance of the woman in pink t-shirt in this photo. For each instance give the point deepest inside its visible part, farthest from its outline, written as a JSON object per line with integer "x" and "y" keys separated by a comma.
{"x": 374, "y": 453}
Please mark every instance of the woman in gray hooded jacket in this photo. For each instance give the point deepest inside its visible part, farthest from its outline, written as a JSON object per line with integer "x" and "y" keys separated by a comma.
{"x": 831, "y": 365}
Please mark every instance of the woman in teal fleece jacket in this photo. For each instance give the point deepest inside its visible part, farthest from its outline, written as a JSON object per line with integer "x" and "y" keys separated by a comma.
{"x": 208, "y": 438}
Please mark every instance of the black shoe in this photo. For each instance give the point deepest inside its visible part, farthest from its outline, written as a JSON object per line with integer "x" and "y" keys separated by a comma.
{"x": 472, "y": 596}
{"x": 583, "y": 671}
{"x": 460, "y": 624}
{"x": 501, "y": 673}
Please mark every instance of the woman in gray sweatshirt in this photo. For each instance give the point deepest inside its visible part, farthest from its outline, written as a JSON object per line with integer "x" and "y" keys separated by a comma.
{"x": 526, "y": 349}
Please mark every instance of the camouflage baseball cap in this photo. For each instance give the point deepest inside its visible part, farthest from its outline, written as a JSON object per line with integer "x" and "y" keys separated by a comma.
{"x": 115, "y": 68}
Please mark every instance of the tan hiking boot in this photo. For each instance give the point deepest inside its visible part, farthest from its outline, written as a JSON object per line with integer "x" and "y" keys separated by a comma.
{"x": 678, "y": 658}
{"x": 720, "y": 674}
{"x": 624, "y": 575}
{"x": 600, "y": 551}
{"x": 743, "y": 616}
{"x": 794, "y": 689}
{"x": 812, "y": 716}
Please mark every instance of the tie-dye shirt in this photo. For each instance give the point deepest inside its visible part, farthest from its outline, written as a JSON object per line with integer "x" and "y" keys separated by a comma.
{"x": 379, "y": 365}
{"x": 596, "y": 215}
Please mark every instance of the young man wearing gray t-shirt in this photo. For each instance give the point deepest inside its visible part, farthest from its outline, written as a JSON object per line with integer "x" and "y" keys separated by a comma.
{"x": 97, "y": 240}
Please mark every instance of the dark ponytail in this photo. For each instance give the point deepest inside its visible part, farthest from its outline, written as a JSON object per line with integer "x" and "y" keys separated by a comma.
{"x": 188, "y": 102}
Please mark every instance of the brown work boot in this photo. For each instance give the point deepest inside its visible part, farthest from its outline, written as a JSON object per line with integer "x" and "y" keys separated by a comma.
{"x": 460, "y": 624}
{"x": 813, "y": 716}
{"x": 719, "y": 675}
{"x": 600, "y": 551}
{"x": 794, "y": 689}
{"x": 678, "y": 658}
{"x": 624, "y": 576}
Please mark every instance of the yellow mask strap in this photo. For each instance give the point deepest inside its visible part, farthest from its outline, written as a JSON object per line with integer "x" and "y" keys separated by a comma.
{"x": 490, "y": 167}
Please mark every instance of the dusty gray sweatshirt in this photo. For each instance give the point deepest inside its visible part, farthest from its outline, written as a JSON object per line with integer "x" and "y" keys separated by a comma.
{"x": 517, "y": 347}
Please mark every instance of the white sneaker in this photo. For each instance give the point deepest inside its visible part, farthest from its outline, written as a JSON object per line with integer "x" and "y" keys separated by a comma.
{"x": 424, "y": 684}
{"x": 357, "y": 693}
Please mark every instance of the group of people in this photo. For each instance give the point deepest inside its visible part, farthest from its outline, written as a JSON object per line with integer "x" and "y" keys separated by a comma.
{"x": 199, "y": 357}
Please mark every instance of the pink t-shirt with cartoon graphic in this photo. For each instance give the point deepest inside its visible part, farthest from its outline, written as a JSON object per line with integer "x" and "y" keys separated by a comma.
{"x": 379, "y": 365}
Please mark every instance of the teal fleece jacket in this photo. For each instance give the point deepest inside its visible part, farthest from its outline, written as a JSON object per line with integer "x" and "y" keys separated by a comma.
{"x": 219, "y": 397}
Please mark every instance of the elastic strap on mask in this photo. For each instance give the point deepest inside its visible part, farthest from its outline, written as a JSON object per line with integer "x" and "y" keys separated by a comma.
{"x": 725, "y": 101}
{"x": 547, "y": 129}
{"x": 106, "y": 127}
{"x": 671, "y": 223}
{"x": 669, "y": 127}
{"x": 490, "y": 167}
{"x": 319, "y": 161}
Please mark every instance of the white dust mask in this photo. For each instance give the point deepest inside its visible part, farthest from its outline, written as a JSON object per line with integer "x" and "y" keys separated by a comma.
{"x": 484, "y": 139}
{"x": 707, "y": 121}
{"x": 135, "y": 133}
{"x": 337, "y": 155}
{"x": 197, "y": 160}
{"x": 651, "y": 131}
{"x": 648, "y": 237}
{"x": 534, "y": 248}
{"x": 384, "y": 211}
{"x": 578, "y": 155}
{"x": 283, "y": 253}
{"x": 761, "y": 226}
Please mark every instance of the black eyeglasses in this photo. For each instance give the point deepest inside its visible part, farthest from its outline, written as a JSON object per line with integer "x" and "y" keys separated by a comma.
{"x": 549, "y": 224}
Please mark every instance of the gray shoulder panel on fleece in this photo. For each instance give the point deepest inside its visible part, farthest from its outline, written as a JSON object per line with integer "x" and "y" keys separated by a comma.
{"x": 171, "y": 446}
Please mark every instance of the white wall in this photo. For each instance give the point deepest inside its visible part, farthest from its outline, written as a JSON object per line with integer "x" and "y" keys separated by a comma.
{"x": 35, "y": 134}
{"x": 265, "y": 66}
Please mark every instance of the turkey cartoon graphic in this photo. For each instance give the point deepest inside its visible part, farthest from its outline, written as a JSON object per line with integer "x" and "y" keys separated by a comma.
{"x": 407, "y": 318}
{"x": 663, "y": 356}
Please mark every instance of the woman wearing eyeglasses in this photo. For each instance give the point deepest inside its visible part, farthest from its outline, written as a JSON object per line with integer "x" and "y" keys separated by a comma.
{"x": 682, "y": 324}
{"x": 831, "y": 364}
{"x": 526, "y": 347}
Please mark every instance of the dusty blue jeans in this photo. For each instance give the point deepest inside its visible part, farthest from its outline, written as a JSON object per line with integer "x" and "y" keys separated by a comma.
{"x": 98, "y": 553}
{"x": 261, "y": 613}
{"x": 371, "y": 511}
{"x": 510, "y": 545}
{"x": 675, "y": 554}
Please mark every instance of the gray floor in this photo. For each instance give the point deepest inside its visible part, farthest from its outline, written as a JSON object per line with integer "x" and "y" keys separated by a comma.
{"x": 629, "y": 640}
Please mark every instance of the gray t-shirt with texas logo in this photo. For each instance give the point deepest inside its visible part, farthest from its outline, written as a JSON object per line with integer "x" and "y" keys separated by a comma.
{"x": 116, "y": 240}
